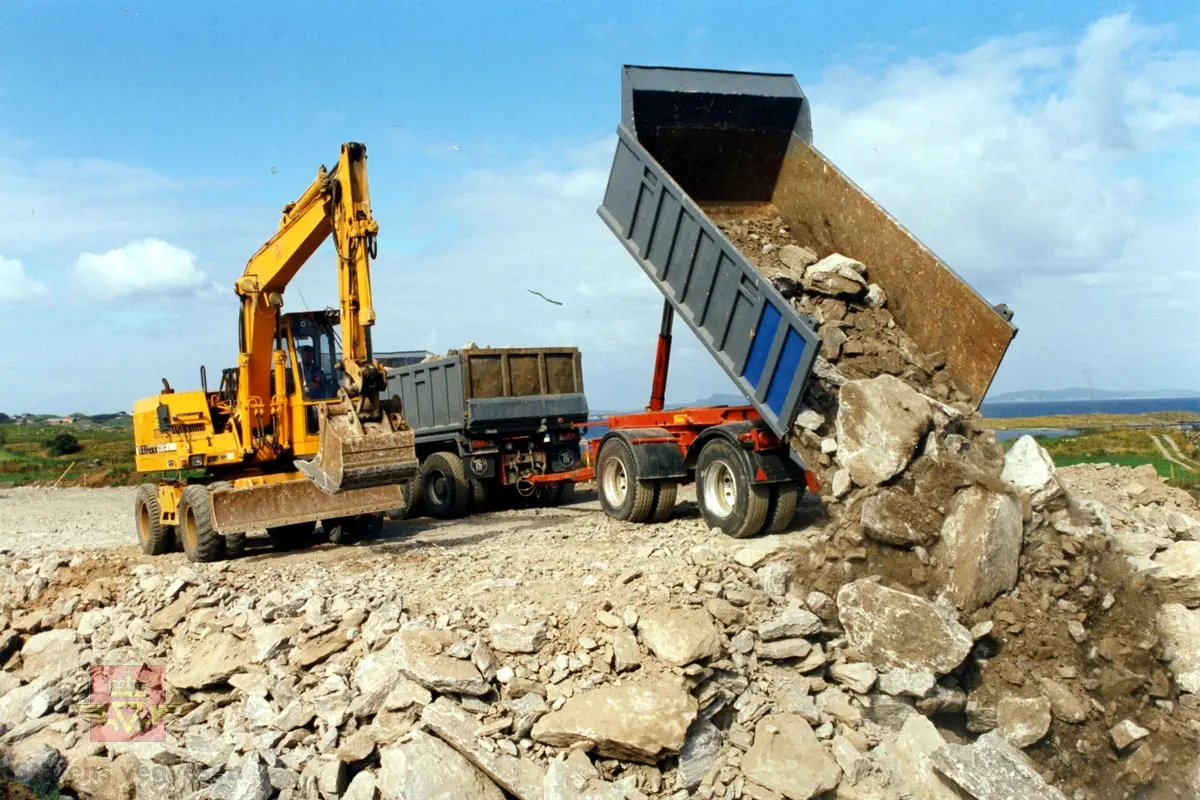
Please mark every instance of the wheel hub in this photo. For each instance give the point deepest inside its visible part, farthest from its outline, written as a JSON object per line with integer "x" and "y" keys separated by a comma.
{"x": 720, "y": 489}
{"x": 616, "y": 482}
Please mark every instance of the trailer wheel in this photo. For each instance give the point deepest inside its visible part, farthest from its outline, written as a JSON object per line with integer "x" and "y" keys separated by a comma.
{"x": 292, "y": 537}
{"x": 622, "y": 495}
{"x": 784, "y": 497}
{"x": 444, "y": 488}
{"x": 727, "y": 496}
{"x": 155, "y": 538}
{"x": 479, "y": 495}
{"x": 664, "y": 500}
{"x": 200, "y": 541}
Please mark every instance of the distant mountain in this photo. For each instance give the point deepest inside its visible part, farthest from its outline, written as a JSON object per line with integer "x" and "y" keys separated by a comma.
{"x": 719, "y": 399}
{"x": 1078, "y": 393}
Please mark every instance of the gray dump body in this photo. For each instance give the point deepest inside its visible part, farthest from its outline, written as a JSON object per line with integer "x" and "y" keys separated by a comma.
{"x": 491, "y": 391}
{"x": 694, "y": 145}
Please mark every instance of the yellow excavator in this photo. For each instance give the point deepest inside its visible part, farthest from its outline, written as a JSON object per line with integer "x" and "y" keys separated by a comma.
{"x": 296, "y": 433}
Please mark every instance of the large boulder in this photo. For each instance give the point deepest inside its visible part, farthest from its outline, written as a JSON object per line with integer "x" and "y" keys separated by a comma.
{"x": 981, "y": 541}
{"x": 1176, "y": 573}
{"x": 101, "y": 779}
{"x": 51, "y": 654}
{"x": 880, "y": 422}
{"x": 788, "y": 758}
{"x": 680, "y": 636}
{"x": 836, "y": 275}
{"x": 894, "y": 630}
{"x": 1029, "y": 469}
{"x": 423, "y": 768}
{"x": 636, "y": 722}
{"x": 1180, "y": 632}
{"x": 196, "y": 663}
{"x": 895, "y": 517}
{"x": 992, "y": 769}
{"x": 908, "y": 755}
{"x": 420, "y": 654}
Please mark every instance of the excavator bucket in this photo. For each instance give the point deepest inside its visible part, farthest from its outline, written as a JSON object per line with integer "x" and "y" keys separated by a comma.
{"x": 357, "y": 454}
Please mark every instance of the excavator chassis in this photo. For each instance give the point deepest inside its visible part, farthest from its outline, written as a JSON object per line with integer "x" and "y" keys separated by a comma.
{"x": 273, "y": 505}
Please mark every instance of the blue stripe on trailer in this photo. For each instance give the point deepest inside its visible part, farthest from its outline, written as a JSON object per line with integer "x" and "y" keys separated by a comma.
{"x": 760, "y": 347}
{"x": 785, "y": 370}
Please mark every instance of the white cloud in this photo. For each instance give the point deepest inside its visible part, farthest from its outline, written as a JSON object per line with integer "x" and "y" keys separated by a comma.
{"x": 147, "y": 267}
{"x": 15, "y": 285}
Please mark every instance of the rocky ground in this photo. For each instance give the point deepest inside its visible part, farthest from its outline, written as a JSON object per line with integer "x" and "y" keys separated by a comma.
{"x": 946, "y": 620}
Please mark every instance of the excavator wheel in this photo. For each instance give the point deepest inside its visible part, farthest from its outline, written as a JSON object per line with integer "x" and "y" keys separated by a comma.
{"x": 235, "y": 543}
{"x": 444, "y": 489}
{"x": 200, "y": 541}
{"x": 155, "y": 538}
{"x": 292, "y": 537}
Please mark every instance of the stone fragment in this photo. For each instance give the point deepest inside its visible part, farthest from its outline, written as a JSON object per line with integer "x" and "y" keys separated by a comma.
{"x": 992, "y": 769}
{"x": 1176, "y": 574}
{"x": 1180, "y": 632}
{"x": 362, "y": 787}
{"x": 895, "y": 517}
{"x": 1023, "y": 721}
{"x": 51, "y": 654}
{"x": 418, "y": 652}
{"x": 424, "y": 768}
{"x": 1065, "y": 705}
{"x": 39, "y": 769}
{"x": 758, "y": 551}
{"x": 1029, "y": 469}
{"x": 981, "y": 540}
{"x": 788, "y": 758}
{"x": 841, "y": 483}
{"x": 836, "y": 275}
{"x": 101, "y": 779}
{"x": 510, "y": 633}
{"x": 797, "y": 258}
{"x": 781, "y": 649}
{"x": 680, "y": 636}
{"x": 858, "y": 677}
{"x": 457, "y": 728}
{"x": 855, "y": 766}
{"x": 526, "y": 710}
{"x": 896, "y": 630}
{"x": 637, "y": 722}
{"x": 1125, "y": 733}
{"x": 876, "y": 297}
{"x": 196, "y": 663}
{"x": 626, "y": 653}
{"x": 880, "y": 422}
{"x": 908, "y": 754}
{"x": 253, "y": 782}
{"x": 319, "y": 648}
{"x": 575, "y": 778}
{"x": 332, "y": 778}
{"x": 789, "y": 624}
{"x": 699, "y": 753}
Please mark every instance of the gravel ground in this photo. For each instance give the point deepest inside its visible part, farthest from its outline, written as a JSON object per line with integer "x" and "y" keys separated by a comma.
{"x": 33, "y": 519}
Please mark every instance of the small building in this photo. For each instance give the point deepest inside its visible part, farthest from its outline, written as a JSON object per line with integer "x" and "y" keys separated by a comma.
{"x": 59, "y": 420}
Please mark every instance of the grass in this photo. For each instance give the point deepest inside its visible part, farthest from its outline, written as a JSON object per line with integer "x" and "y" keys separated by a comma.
{"x": 1093, "y": 421}
{"x": 1123, "y": 446}
{"x": 105, "y": 457}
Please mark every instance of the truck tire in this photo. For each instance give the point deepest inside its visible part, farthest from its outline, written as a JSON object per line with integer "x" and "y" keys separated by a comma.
{"x": 292, "y": 537}
{"x": 444, "y": 489}
{"x": 622, "y": 495}
{"x": 412, "y": 501}
{"x": 234, "y": 543}
{"x": 784, "y": 497}
{"x": 200, "y": 542}
{"x": 664, "y": 500}
{"x": 155, "y": 538}
{"x": 728, "y": 498}
{"x": 479, "y": 495}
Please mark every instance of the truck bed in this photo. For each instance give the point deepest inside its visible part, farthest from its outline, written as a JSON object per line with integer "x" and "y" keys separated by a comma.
{"x": 491, "y": 390}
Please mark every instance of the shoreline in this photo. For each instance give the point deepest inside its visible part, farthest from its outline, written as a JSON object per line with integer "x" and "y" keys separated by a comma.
{"x": 1098, "y": 421}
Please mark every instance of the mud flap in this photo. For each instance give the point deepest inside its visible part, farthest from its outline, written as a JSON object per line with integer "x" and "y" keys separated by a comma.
{"x": 356, "y": 454}
{"x": 274, "y": 505}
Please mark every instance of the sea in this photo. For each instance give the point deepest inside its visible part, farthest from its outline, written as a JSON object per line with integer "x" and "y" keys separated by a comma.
{"x": 597, "y": 428}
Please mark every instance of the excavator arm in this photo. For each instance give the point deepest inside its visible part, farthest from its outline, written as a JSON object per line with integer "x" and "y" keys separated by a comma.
{"x": 362, "y": 445}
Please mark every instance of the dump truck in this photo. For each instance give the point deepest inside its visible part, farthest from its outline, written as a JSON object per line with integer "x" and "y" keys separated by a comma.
{"x": 488, "y": 420}
{"x": 297, "y": 432}
{"x": 695, "y": 147}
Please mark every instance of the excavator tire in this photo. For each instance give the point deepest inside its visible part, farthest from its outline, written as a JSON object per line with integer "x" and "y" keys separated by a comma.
{"x": 292, "y": 537}
{"x": 155, "y": 538}
{"x": 444, "y": 488}
{"x": 784, "y": 497}
{"x": 235, "y": 543}
{"x": 200, "y": 542}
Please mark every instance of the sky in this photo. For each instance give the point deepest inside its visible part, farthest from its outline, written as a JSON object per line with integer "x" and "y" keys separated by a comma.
{"x": 1046, "y": 152}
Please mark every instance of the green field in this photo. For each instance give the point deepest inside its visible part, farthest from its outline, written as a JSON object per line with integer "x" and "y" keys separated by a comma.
{"x": 1126, "y": 447}
{"x": 105, "y": 457}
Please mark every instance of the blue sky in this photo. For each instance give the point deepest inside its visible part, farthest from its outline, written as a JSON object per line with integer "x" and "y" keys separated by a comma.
{"x": 1047, "y": 153}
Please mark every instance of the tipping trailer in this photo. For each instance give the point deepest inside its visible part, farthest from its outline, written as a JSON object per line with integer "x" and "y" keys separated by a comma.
{"x": 490, "y": 419}
{"x": 695, "y": 144}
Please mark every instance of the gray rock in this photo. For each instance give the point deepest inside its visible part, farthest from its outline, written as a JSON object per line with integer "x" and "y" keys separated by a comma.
{"x": 880, "y": 422}
{"x": 424, "y": 768}
{"x": 418, "y": 652}
{"x": 457, "y": 728}
{"x": 775, "y": 578}
{"x": 895, "y": 630}
{"x": 331, "y": 777}
{"x": 784, "y": 649}
{"x": 1180, "y": 632}
{"x": 981, "y": 540}
{"x": 786, "y": 757}
{"x": 836, "y": 275}
{"x": 253, "y": 781}
{"x": 908, "y": 754}
{"x": 680, "y": 636}
{"x": 699, "y": 753}
{"x": 41, "y": 769}
{"x": 859, "y": 677}
{"x": 1176, "y": 574}
{"x": 855, "y": 766}
{"x": 895, "y": 517}
{"x": 526, "y": 711}
{"x": 943, "y": 700}
{"x": 992, "y": 769}
{"x": 626, "y": 653}
{"x": 742, "y": 642}
{"x": 636, "y": 722}
{"x": 156, "y": 782}
{"x": 1125, "y": 733}
{"x": 51, "y": 654}
{"x": 1023, "y": 721}
{"x": 197, "y": 663}
{"x": 1029, "y": 469}
{"x": 101, "y": 779}
{"x": 362, "y": 787}
{"x": 841, "y": 483}
{"x": 1065, "y": 705}
{"x": 511, "y": 633}
{"x": 296, "y": 714}
{"x": 574, "y": 778}
{"x": 797, "y": 258}
{"x": 791, "y": 623}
